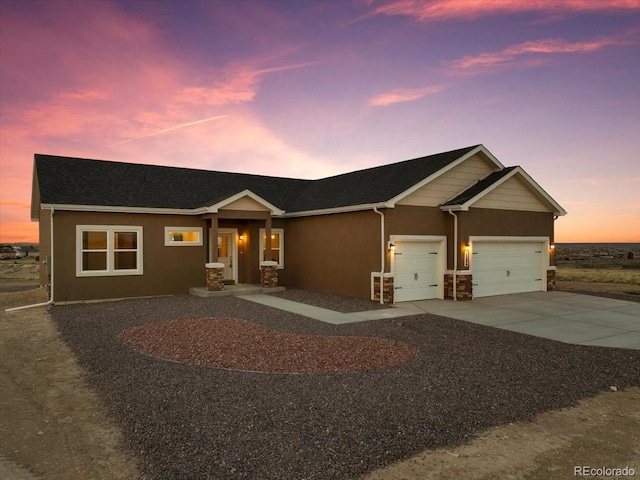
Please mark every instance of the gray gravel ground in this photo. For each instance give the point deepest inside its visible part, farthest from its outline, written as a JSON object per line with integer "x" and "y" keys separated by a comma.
{"x": 190, "y": 422}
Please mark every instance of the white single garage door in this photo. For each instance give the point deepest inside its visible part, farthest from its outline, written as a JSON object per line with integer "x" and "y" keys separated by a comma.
{"x": 416, "y": 275}
{"x": 507, "y": 267}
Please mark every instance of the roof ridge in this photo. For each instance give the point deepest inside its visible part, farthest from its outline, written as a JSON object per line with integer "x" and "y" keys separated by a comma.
{"x": 401, "y": 162}
{"x": 170, "y": 167}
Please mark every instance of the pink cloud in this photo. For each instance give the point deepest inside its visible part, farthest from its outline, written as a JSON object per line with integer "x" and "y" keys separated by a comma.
{"x": 110, "y": 79}
{"x": 403, "y": 95}
{"x": 526, "y": 52}
{"x": 238, "y": 86}
{"x": 422, "y": 10}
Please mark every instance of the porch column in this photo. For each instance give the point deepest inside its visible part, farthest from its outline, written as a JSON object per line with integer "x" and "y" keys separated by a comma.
{"x": 213, "y": 241}
{"x": 267, "y": 240}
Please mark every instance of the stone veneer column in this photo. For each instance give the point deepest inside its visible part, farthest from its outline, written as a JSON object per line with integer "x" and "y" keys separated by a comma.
{"x": 387, "y": 289}
{"x": 215, "y": 274}
{"x": 269, "y": 274}
{"x": 551, "y": 279}
{"x": 464, "y": 286}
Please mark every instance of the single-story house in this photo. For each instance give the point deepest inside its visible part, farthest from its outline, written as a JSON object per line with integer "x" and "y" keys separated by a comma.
{"x": 457, "y": 224}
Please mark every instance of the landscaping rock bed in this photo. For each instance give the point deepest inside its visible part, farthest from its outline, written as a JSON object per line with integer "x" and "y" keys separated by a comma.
{"x": 242, "y": 345}
{"x": 189, "y": 421}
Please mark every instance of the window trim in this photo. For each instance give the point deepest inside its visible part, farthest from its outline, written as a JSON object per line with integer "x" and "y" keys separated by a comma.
{"x": 169, "y": 242}
{"x": 280, "y": 231}
{"x": 110, "y": 250}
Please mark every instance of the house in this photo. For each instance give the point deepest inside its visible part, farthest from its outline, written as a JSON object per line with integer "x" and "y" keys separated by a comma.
{"x": 457, "y": 224}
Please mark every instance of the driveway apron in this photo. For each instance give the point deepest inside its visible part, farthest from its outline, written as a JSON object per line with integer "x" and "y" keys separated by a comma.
{"x": 566, "y": 317}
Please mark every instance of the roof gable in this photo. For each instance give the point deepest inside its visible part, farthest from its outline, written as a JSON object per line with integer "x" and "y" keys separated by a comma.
{"x": 450, "y": 182}
{"x": 485, "y": 193}
{"x": 245, "y": 200}
{"x": 479, "y": 149}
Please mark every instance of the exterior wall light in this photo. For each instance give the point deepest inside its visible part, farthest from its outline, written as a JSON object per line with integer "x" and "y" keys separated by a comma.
{"x": 392, "y": 246}
{"x": 467, "y": 249}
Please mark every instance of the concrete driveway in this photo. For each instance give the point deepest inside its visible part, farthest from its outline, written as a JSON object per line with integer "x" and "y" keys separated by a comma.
{"x": 562, "y": 316}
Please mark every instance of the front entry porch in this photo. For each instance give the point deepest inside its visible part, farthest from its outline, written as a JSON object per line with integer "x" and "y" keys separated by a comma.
{"x": 243, "y": 251}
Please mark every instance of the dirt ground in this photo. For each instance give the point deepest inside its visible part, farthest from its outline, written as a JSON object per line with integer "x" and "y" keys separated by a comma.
{"x": 53, "y": 426}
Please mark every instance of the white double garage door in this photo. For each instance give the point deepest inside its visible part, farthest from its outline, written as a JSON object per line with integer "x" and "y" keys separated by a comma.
{"x": 509, "y": 265}
{"x": 499, "y": 265}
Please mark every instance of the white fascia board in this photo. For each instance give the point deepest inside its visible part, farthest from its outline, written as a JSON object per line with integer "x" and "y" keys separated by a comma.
{"x": 118, "y": 209}
{"x": 558, "y": 209}
{"x": 164, "y": 211}
{"x": 330, "y": 211}
{"x": 245, "y": 193}
{"x": 480, "y": 148}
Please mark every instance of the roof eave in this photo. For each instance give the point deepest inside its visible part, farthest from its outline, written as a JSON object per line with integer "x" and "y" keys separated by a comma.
{"x": 122, "y": 209}
{"x": 333, "y": 210}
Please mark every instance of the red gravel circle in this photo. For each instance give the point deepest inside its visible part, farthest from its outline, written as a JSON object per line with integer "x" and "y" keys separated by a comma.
{"x": 241, "y": 345}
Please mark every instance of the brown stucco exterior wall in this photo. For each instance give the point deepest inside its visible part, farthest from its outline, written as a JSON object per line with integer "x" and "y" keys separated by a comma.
{"x": 44, "y": 228}
{"x": 331, "y": 253}
{"x": 491, "y": 222}
{"x": 411, "y": 220}
{"x": 167, "y": 270}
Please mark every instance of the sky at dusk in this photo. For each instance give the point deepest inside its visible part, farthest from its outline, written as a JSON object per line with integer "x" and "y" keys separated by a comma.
{"x": 310, "y": 89}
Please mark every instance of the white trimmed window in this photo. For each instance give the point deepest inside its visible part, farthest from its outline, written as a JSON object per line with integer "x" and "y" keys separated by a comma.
{"x": 277, "y": 246}
{"x": 103, "y": 250}
{"x": 183, "y": 236}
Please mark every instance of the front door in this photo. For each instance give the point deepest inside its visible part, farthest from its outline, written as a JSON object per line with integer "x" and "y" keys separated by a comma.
{"x": 227, "y": 252}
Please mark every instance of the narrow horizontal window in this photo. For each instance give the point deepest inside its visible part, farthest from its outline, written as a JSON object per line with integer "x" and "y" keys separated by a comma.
{"x": 185, "y": 236}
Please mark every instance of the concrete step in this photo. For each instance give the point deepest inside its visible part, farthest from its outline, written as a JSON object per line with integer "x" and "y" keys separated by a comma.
{"x": 238, "y": 289}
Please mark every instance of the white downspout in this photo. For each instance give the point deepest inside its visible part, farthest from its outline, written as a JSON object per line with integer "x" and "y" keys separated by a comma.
{"x": 455, "y": 254}
{"x": 50, "y": 301}
{"x": 382, "y": 245}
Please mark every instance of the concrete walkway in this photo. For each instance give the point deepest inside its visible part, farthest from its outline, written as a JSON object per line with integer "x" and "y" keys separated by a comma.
{"x": 566, "y": 317}
{"x": 325, "y": 315}
{"x": 562, "y": 316}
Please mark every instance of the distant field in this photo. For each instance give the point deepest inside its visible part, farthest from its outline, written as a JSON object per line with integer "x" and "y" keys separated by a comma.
{"x": 600, "y": 275}
{"x": 598, "y": 263}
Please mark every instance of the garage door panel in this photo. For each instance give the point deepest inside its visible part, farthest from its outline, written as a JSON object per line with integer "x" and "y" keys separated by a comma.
{"x": 415, "y": 280}
{"x": 417, "y": 264}
{"x": 409, "y": 294}
{"x": 416, "y": 270}
{"x": 507, "y": 267}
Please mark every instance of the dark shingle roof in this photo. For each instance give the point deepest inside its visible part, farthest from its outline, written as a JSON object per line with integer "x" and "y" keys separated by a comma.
{"x": 372, "y": 185}
{"x": 74, "y": 181}
{"x": 478, "y": 187}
